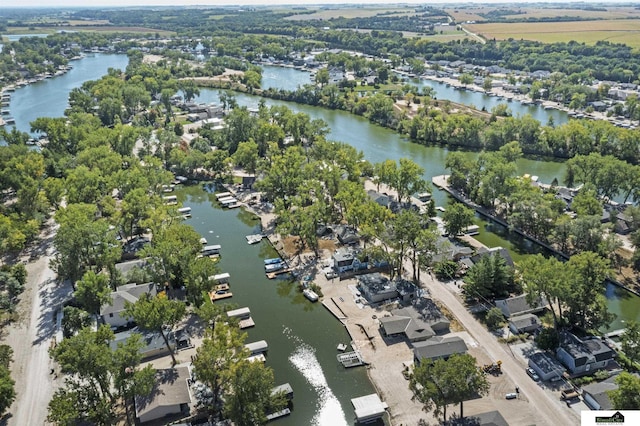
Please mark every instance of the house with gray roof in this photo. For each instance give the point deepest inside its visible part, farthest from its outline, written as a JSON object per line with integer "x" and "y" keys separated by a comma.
{"x": 518, "y": 305}
{"x": 417, "y": 322}
{"x": 546, "y": 366}
{"x": 596, "y": 395}
{"x": 112, "y": 314}
{"x": 378, "y": 288}
{"x": 154, "y": 344}
{"x": 527, "y": 323}
{"x": 170, "y": 396}
{"x": 584, "y": 356}
{"x": 438, "y": 348}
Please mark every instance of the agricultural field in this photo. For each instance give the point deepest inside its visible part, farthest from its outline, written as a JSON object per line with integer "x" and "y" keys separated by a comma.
{"x": 625, "y": 31}
{"x": 475, "y": 13}
{"x": 87, "y": 28}
{"x": 350, "y": 13}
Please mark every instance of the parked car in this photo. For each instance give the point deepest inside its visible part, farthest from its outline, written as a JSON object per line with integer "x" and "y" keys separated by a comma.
{"x": 511, "y": 395}
{"x": 531, "y": 372}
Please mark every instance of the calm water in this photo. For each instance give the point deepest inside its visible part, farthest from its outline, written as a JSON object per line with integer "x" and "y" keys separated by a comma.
{"x": 302, "y": 336}
{"x": 49, "y": 98}
{"x": 283, "y": 78}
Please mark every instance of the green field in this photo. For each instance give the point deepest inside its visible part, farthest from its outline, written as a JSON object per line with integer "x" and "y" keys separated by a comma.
{"x": 351, "y": 13}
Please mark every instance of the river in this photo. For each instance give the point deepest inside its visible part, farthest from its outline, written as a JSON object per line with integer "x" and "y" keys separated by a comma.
{"x": 302, "y": 337}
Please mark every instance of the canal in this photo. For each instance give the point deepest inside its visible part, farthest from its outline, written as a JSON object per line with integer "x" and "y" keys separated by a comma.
{"x": 302, "y": 337}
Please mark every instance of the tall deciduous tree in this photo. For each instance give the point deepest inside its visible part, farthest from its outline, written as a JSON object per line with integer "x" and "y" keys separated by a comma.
{"x": 546, "y": 278}
{"x": 93, "y": 291}
{"x": 489, "y": 278}
{"x": 157, "y": 314}
{"x": 630, "y": 340}
{"x": 456, "y": 218}
{"x": 7, "y": 390}
{"x": 627, "y": 396}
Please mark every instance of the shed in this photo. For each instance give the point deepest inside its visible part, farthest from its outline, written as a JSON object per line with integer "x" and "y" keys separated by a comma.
{"x": 170, "y": 395}
{"x": 368, "y": 408}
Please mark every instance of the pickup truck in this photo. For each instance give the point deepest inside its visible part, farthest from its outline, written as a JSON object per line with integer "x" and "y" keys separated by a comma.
{"x": 568, "y": 394}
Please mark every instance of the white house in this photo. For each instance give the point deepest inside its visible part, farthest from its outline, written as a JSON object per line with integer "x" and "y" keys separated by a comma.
{"x": 170, "y": 396}
{"x": 111, "y": 314}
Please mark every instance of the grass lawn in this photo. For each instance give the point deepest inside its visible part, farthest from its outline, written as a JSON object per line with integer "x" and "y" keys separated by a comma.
{"x": 349, "y": 13}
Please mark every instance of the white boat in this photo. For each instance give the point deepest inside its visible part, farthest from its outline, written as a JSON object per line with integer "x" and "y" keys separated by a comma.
{"x": 184, "y": 210}
{"x": 254, "y": 239}
{"x": 310, "y": 294}
{"x": 203, "y": 241}
{"x": 272, "y": 261}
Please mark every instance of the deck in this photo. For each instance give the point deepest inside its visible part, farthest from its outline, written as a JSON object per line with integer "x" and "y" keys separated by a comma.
{"x": 219, "y": 296}
{"x": 272, "y": 275}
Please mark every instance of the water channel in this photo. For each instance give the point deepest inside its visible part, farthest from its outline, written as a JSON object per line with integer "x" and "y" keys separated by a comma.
{"x": 302, "y": 337}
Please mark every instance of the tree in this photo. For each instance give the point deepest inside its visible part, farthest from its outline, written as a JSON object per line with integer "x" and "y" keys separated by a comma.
{"x": 457, "y": 217}
{"x": 216, "y": 359}
{"x": 7, "y": 390}
{"x": 544, "y": 278}
{"x": 408, "y": 179}
{"x": 494, "y": 318}
{"x": 630, "y": 341}
{"x": 156, "y": 314}
{"x": 93, "y": 291}
{"x": 250, "y": 398}
{"x": 627, "y": 396}
{"x": 247, "y": 156}
{"x": 439, "y": 383}
{"x": 489, "y": 278}
{"x": 322, "y": 77}
{"x": 465, "y": 79}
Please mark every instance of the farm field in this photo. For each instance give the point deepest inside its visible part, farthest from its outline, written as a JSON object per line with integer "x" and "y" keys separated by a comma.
{"x": 88, "y": 28}
{"x": 618, "y": 31}
{"x": 473, "y": 13}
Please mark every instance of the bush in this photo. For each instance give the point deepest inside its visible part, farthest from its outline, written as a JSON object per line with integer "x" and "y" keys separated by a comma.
{"x": 445, "y": 269}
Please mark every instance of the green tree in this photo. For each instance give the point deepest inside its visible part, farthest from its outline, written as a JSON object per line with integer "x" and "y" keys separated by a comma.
{"x": 408, "y": 179}
{"x": 7, "y": 390}
{"x": 92, "y": 292}
{"x": 247, "y": 156}
{"x": 457, "y": 217}
{"x": 156, "y": 314}
{"x": 250, "y": 398}
{"x": 627, "y": 396}
{"x": 465, "y": 79}
{"x": 545, "y": 278}
{"x": 217, "y": 358}
{"x": 489, "y": 278}
{"x": 630, "y": 341}
{"x": 494, "y": 319}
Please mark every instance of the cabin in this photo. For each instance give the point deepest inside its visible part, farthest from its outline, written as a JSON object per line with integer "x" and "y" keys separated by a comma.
{"x": 378, "y": 288}
{"x": 596, "y": 395}
{"x": 170, "y": 396}
{"x": 154, "y": 344}
{"x": 345, "y": 260}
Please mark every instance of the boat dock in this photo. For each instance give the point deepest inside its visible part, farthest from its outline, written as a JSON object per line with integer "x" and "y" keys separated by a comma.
{"x": 219, "y": 296}
{"x": 258, "y": 347}
{"x": 244, "y": 317}
{"x": 334, "y": 309}
{"x": 274, "y": 274}
{"x": 278, "y": 414}
{"x": 223, "y": 195}
{"x": 253, "y": 239}
{"x": 350, "y": 359}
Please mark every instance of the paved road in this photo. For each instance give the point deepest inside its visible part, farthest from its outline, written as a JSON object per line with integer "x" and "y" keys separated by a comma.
{"x": 551, "y": 411}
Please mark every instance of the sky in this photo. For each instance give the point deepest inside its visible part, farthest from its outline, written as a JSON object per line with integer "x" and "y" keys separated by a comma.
{"x": 120, "y": 3}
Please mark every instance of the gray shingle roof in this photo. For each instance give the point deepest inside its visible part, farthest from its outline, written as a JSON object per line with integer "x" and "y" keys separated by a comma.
{"x": 439, "y": 347}
{"x": 170, "y": 389}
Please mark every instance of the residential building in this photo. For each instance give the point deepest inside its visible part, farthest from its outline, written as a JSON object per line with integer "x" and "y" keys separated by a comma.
{"x": 154, "y": 344}
{"x": 584, "y": 356}
{"x": 112, "y": 314}
{"x": 377, "y": 288}
{"x": 527, "y": 323}
{"x": 596, "y": 395}
{"x": 438, "y": 348}
{"x": 345, "y": 260}
{"x": 518, "y": 305}
{"x": 546, "y": 366}
{"x": 170, "y": 396}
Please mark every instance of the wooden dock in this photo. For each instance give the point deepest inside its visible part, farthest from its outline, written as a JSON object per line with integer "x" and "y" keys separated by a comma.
{"x": 214, "y": 295}
{"x": 246, "y": 323}
{"x": 334, "y": 309}
{"x": 272, "y": 275}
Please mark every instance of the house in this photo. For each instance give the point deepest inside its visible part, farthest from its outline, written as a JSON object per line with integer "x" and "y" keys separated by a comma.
{"x": 494, "y": 251}
{"x": 518, "y": 305}
{"x": 545, "y": 366}
{"x": 170, "y": 396}
{"x": 407, "y": 324}
{"x": 154, "y": 344}
{"x": 346, "y": 235}
{"x": 377, "y": 288}
{"x": 125, "y": 268}
{"x": 345, "y": 260}
{"x": 527, "y": 323}
{"x": 584, "y": 356}
{"x": 438, "y": 348}
{"x": 111, "y": 314}
{"x": 596, "y": 395}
